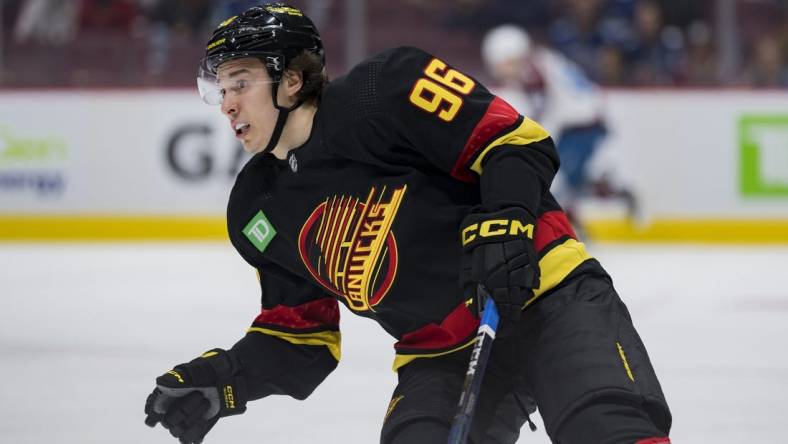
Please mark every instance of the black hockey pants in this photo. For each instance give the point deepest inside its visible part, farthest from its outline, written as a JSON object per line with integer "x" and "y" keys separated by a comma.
{"x": 575, "y": 353}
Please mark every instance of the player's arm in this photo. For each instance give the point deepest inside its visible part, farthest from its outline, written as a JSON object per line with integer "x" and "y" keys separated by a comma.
{"x": 464, "y": 130}
{"x": 404, "y": 106}
{"x": 292, "y": 345}
{"x": 461, "y": 128}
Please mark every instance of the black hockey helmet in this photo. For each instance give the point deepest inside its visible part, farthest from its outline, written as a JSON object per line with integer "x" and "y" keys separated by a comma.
{"x": 273, "y": 32}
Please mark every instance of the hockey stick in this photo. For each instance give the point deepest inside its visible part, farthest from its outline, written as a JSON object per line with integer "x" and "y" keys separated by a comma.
{"x": 473, "y": 378}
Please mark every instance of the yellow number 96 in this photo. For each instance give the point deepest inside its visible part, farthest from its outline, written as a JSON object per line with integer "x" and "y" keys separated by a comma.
{"x": 436, "y": 95}
{"x": 431, "y": 96}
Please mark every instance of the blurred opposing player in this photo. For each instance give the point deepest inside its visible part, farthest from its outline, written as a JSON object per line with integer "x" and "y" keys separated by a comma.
{"x": 545, "y": 85}
{"x": 375, "y": 190}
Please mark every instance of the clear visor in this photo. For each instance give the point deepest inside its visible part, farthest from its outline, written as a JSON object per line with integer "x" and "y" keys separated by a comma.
{"x": 214, "y": 83}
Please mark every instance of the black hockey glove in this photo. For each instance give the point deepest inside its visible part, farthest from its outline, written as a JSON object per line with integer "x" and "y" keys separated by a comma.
{"x": 498, "y": 253}
{"x": 189, "y": 399}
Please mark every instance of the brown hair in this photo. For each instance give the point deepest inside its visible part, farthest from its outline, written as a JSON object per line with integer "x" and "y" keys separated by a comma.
{"x": 314, "y": 75}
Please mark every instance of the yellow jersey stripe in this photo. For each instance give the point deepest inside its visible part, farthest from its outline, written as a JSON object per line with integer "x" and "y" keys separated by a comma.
{"x": 557, "y": 264}
{"x": 402, "y": 360}
{"x": 331, "y": 339}
{"x": 528, "y": 132}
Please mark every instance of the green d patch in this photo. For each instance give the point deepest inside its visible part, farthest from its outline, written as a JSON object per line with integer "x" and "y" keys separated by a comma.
{"x": 259, "y": 231}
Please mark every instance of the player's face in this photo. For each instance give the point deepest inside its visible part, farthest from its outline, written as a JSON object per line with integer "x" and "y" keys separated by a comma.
{"x": 246, "y": 90}
{"x": 509, "y": 71}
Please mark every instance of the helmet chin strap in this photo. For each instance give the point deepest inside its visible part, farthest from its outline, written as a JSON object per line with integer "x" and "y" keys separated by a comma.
{"x": 280, "y": 120}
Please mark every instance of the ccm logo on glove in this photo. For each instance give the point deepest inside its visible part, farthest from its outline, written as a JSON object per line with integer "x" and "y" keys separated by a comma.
{"x": 498, "y": 253}
{"x": 229, "y": 399}
{"x": 496, "y": 227}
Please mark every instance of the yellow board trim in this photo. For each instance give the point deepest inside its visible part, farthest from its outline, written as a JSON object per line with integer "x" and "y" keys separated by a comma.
{"x": 557, "y": 264}
{"x": 331, "y": 339}
{"x": 402, "y": 360}
{"x": 111, "y": 228}
{"x": 528, "y": 132}
{"x": 721, "y": 231}
{"x": 99, "y": 228}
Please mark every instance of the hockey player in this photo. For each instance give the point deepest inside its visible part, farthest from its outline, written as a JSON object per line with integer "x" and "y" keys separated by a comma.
{"x": 375, "y": 190}
{"x": 545, "y": 85}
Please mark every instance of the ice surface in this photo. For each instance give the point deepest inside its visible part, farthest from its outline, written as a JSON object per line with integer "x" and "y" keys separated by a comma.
{"x": 85, "y": 328}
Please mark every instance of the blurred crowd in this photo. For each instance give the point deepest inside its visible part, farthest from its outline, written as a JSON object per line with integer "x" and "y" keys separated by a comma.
{"x": 106, "y": 43}
{"x": 60, "y": 22}
{"x": 653, "y": 42}
{"x": 616, "y": 42}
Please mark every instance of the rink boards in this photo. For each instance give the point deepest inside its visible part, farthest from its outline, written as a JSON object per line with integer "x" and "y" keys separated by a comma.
{"x": 158, "y": 164}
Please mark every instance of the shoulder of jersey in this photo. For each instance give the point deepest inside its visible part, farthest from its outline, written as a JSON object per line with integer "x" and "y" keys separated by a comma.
{"x": 359, "y": 91}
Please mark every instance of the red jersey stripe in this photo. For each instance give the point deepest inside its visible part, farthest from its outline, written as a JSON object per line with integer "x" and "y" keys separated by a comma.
{"x": 550, "y": 226}
{"x": 499, "y": 115}
{"x": 319, "y": 313}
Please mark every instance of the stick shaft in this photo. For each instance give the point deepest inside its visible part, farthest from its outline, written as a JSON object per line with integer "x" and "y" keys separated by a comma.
{"x": 478, "y": 363}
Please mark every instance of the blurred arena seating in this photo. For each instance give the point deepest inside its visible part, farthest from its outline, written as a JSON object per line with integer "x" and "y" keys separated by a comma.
{"x": 131, "y": 43}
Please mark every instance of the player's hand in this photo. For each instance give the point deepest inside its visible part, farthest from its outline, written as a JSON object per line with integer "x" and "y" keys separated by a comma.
{"x": 189, "y": 399}
{"x": 498, "y": 253}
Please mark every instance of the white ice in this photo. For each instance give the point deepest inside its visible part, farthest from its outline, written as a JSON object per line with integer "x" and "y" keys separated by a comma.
{"x": 85, "y": 328}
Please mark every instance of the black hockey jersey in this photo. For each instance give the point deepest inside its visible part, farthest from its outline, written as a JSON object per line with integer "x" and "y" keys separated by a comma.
{"x": 367, "y": 213}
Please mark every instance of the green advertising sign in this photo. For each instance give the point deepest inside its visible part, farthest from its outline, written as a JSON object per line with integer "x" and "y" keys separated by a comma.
{"x": 18, "y": 149}
{"x": 763, "y": 155}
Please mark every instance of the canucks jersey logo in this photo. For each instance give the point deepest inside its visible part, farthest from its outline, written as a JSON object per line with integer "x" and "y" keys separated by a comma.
{"x": 348, "y": 246}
